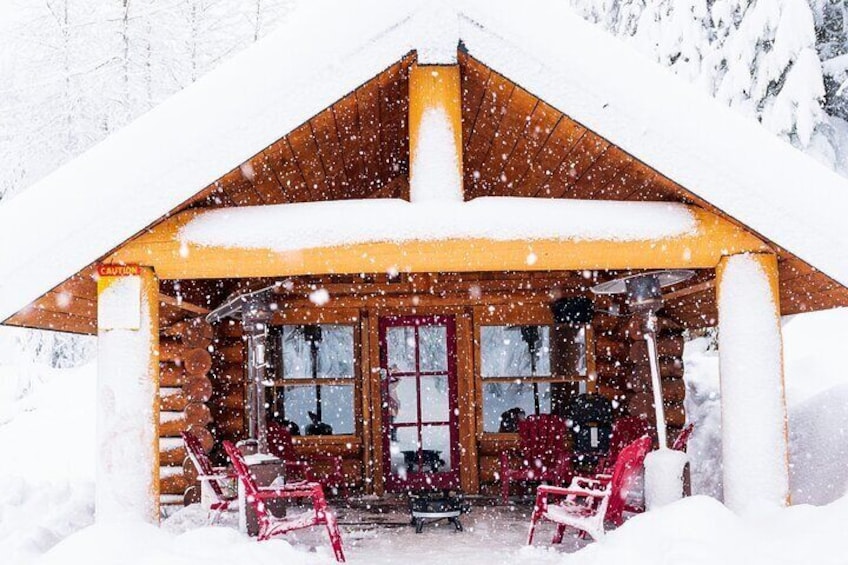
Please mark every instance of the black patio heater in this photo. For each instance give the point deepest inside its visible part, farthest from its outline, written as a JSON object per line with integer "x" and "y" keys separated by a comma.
{"x": 254, "y": 309}
{"x": 643, "y": 295}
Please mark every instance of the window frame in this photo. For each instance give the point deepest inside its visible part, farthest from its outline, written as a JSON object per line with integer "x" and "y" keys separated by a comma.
{"x": 322, "y": 317}
{"x": 523, "y": 314}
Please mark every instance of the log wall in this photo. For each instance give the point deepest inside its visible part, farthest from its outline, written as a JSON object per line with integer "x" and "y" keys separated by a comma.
{"x": 184, "y": 391}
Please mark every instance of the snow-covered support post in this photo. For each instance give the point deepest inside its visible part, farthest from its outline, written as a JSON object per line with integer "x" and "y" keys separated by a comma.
{"x": 127, "y": 481}
{"x": 435, "y": 133}
{"x": 753, "y": 404}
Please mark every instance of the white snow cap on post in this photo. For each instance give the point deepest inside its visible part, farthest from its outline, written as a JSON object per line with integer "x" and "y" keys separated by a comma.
{"x": 664, "y": 470}
{"x": 754, "y": 446}
{"x": 435, "y": 162}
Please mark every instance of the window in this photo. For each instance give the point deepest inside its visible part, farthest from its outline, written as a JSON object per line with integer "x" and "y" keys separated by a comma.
{"x": 313, "y": 390}
{"x": 525, "y": 370}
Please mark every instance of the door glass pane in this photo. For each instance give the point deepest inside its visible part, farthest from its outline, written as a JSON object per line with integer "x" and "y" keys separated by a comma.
{"x": 403, "y": 401}
{"x": 403, "y": 449}
{"x": 434, "y": 348}
{"x": 400, "y": 342}
{"x": 435, "y": 403}
{"x": 435, "y": 449}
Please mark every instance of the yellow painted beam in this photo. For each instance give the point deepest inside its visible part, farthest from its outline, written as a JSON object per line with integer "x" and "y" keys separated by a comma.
{"x": 434, "y": 88}
{"x": 710, "y": 241}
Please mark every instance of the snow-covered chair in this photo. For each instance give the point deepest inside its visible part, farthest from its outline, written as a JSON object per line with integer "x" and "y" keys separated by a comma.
{"x": 272, "y": 526}
{"x": 541, "y": 455}
{"x": 219, "y": 479}
{"x": 587, "y": 504}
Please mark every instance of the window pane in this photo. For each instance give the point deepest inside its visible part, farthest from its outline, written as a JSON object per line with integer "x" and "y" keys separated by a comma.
{"x": 505, "y": 352}
{"x": 335, "y": 352}
{"x": 337, "y": 409}
{"x": 433, "y": 342}
{"x": 296, "y": 357}
{"x": 501, "y": 402}
{"x": 400, "y": 342}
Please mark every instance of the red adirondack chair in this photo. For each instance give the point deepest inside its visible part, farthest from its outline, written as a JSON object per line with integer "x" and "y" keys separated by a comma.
{"x": 301, "y": 467}
{"x": 218, "y": 478}
{"x": 625, "y": 431}
{"x": 541, "y": 456}
{"x": 587, "y": 504}
{"x": 271, "y": 526}
{"x": 682, "y": 439}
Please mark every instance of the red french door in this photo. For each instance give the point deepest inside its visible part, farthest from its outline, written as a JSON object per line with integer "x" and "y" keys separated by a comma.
{"x": 420, "y": 430}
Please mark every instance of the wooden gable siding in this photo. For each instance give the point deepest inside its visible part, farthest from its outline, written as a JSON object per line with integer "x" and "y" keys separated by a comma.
{"x": 542, "y": 152}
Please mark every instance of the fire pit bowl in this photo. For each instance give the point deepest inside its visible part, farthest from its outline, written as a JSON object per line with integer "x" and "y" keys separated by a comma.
{"x": 431, "y": 506}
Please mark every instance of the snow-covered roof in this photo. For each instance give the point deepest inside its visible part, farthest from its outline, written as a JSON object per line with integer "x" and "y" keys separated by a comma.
{"x": 325, "y": 50}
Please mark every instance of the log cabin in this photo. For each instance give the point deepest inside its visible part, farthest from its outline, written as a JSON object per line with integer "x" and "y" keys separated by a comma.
{"x": 416, "y": 197}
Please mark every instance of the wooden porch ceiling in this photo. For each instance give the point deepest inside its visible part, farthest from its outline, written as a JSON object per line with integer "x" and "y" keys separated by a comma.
{"x": 514, "y": 145}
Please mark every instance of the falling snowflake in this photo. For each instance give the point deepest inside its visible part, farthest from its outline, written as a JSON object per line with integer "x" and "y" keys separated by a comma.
{"x": 319, "y": 297}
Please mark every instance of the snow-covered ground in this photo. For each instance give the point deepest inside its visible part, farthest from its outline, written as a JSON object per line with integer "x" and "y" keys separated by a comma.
{"x": 46, "y": 499}
{"x": 692, "y": 531}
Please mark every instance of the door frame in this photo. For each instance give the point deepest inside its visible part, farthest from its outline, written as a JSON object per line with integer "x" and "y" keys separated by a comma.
{"x": 452, "y": 478}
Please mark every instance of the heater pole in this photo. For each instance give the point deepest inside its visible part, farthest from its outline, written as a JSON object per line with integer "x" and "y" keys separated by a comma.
{"x": 656, "y": 383}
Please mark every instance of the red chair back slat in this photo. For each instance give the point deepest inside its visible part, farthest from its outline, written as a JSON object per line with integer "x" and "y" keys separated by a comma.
{"x": 242, "y": 471}
{"x": 201, "y": 462}
{"x": 628, "y": 466}
{"x": 542, "y": 438}
{"x": 625, "y": 431}
{"x": 280, "y": 442}
{"x": 682, "y": 439}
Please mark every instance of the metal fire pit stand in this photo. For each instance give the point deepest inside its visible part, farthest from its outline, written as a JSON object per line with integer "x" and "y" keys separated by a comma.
{"x": 430, "y": 507}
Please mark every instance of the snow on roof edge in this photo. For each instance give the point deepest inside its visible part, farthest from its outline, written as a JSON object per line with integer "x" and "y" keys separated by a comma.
{"x": 137, "y": 175}
{"x": 663, "y": 121}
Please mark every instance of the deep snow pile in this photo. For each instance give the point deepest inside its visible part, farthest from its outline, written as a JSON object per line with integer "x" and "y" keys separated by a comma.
{"x": 817, "y": 399}
{"x": 47, "y": 466}
{"x": 703, "y": 408}
{"x": 818, "y": 440}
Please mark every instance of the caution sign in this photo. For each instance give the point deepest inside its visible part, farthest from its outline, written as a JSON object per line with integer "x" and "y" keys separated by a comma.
{"x": 116, "y": 270}
{"x": 118, "y": 297}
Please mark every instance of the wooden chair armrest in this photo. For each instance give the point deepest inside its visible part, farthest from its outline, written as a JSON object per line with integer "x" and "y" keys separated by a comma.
{"x": 221, "y": 477}
{"x": 570, "y": 491}
{"x": 587, "y": 483}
